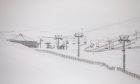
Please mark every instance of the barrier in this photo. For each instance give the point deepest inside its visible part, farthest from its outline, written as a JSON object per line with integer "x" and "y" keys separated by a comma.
{"x": 93, "y": 62}
{"x": 128, "y": 73}
{"x": 79, "y": 59}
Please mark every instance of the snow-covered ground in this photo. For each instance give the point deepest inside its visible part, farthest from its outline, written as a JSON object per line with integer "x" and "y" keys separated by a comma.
{"x": 23, "y": 65}
{"x": 111, "y": 57}
{"x": 45, "y": 25}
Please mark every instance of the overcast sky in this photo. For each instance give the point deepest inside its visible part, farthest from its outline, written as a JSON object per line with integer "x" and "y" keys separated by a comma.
{"x": 64, "y": 15}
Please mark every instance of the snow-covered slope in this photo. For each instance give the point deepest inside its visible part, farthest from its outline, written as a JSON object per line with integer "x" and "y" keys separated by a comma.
{"x": 21, "y": 65}
{"x": 112, "y": 31}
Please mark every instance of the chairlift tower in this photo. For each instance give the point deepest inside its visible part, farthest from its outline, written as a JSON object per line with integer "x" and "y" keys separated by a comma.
{"x": 123, "y": 40}
{"x": 78, "y": 36}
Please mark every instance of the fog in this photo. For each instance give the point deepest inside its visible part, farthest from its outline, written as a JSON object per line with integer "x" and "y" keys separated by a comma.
{"x": 64, "y": 15}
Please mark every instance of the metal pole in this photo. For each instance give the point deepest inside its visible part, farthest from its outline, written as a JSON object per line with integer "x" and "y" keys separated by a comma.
{"x": 40, "y": 43}
{"x": 123, "y": 39}
{"x": 124, "y": 55}
{"x": 78, "y": 46}
{"x": 58, "y": 38}
{"x": 78, "y": 35}
{"x": 58, "y": 43}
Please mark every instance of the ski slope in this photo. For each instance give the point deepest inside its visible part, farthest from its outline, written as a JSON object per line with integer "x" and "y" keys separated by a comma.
{"x": 22, "y": 65}
{"x": 111, "y": 57}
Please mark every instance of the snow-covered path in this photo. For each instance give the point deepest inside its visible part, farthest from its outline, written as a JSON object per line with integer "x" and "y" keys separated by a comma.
{"x": 21, "y": 65}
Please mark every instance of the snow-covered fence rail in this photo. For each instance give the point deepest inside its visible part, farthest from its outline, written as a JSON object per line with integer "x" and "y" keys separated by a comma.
{"x": 128, "y": 73}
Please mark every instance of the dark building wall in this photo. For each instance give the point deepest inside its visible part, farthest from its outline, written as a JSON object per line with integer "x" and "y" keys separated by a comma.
{"x": 33, "y": 44}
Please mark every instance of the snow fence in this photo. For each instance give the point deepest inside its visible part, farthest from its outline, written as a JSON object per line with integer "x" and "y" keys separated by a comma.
{"x": 103, "y": 64}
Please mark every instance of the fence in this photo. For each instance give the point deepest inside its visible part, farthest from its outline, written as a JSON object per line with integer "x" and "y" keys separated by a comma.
{"x": 93, "y": 62}
{"x": 128, "y": 73}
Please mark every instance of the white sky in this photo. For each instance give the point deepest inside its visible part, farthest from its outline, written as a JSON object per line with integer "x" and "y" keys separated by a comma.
{"x": 64, "y": 15}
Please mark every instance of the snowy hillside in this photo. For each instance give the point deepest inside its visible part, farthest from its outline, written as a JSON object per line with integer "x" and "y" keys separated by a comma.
{"x": 111, "y": 31}
{"x": 22, "y": 65}
{"x": 69, "y": 41}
